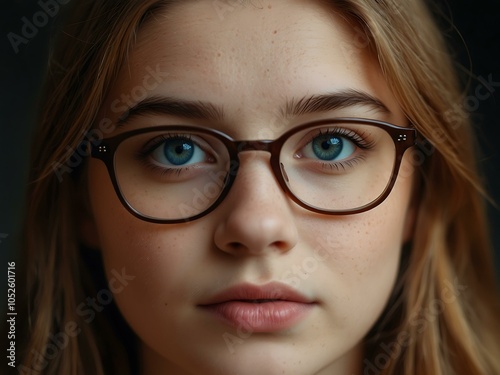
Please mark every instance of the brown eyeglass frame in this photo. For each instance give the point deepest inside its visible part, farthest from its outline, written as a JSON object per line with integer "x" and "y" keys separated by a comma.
{"x": 403, "y": 138}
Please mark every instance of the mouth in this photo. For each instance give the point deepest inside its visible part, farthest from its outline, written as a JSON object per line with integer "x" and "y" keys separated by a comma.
{"x": 268, "y": 308}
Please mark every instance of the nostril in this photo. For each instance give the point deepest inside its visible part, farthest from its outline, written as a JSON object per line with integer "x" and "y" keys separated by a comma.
{"x": 235, "y": 246}
{"x": 280, "y": 245}
{"x": 238, "y": 247}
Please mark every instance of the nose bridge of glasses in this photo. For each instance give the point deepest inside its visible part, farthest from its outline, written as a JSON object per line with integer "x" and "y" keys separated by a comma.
{"x": 261, "y": 145}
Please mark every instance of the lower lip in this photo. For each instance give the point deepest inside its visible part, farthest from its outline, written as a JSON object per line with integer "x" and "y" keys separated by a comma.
{"x": 261, "y": 317}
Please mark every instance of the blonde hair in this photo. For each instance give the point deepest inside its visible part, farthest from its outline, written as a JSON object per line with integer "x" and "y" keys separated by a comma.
{"x": 443, "y": 315}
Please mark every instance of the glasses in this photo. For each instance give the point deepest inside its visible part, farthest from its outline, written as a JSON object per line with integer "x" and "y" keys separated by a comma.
{"x": 174, "y": 174}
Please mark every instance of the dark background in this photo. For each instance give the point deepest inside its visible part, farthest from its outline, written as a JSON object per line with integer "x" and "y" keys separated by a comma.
{"x": 476, "y": 46}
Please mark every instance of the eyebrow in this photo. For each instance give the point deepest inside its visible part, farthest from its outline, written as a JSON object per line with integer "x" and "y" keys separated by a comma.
{"x": 332, "y": 101}
{"x": 293, "y": 107}
{"x": 174, "y": 107}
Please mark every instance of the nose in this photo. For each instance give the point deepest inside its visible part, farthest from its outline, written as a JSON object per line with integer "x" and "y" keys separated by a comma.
{"x": 256, "y": 216}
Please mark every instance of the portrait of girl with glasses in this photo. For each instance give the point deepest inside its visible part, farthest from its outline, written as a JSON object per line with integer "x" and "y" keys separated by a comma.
{"x": 255, "y": 187}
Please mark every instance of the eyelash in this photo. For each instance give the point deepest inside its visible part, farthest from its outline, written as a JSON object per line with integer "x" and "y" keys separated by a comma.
{"x": 361, "y": 141}
{"x": 343, "y": 165}
{"x": 153, "y": 144}
{"x": 143, "y": 154}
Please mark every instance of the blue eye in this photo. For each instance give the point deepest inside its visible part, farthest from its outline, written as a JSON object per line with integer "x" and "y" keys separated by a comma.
{"x": 329, "y": 147}
{"x": 178, "y": 151}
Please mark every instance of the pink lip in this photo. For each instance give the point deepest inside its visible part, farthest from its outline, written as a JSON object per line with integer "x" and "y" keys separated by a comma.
{"x": 268, "y": 308}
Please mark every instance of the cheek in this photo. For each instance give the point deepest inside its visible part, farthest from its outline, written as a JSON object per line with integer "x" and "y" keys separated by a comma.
{"x": 361, "y": 258}
{"x": 358, "y": 276}
{"x": 153, "y": 254}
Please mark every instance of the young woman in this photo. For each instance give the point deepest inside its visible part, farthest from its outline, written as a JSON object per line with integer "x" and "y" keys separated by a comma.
{"x": 269, "y": 187}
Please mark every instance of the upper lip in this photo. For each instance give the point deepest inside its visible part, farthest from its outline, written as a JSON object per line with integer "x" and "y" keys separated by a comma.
{"x": 254, "y": 293}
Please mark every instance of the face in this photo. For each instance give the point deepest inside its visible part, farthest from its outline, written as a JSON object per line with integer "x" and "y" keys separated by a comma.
{"x": 329, "y": 277}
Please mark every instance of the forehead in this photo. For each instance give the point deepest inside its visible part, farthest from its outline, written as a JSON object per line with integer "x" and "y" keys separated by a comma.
{"x": 194, "y": 29}
{"x": 277, "y": 38}
{"x": 249, "y": 57}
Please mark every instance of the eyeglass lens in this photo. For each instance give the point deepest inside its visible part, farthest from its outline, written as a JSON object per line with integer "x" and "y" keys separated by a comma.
{"x": 176, "y": 174}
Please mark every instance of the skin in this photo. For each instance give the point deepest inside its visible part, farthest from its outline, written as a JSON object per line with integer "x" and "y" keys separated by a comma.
{"x": 250, "y": 62}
